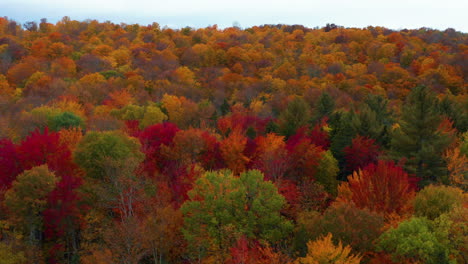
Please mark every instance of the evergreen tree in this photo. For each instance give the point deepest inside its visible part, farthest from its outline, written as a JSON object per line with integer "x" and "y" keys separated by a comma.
{"x": 327, "y": 171}
{"x": 418, "y": 139}
{"x": 455, "y": 112}
{"x": 341, "y": 136}
{"x": 296, "y": 115}
{"x": 324, "y": 107}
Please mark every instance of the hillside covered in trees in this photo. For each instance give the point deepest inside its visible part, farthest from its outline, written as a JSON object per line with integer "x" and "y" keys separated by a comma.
{"x": 272, "y": 144}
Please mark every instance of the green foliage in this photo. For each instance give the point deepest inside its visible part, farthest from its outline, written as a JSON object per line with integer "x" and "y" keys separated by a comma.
{"x": 223, "y": 207}
{"x": 356, "y": 227}
{"x": 324, "y": 106}
{"x": 365, "y": 123}
{"x": 10, "y": 256}
{"x": 27, "y": 198}
{"x": 414, "y": 240}
{"x": 418, "y": 139}
{"x": 464, "y": 144}
{"x": 433, "y": 201}
{"x": 129, "y": 112}
{"x": 153, "y": 115}
{"x": 147, "y": 116}
{"x": 451, "y": 109}
{"x": 341, "y": 136}
{"x": 296, "y": 115}
{"x": 97, "y": 152}
{"x": 65, "y": 120}
{"x": 111, "y": 73}
{"x": 327, "y": 171}
{"x": 451, "y": 229}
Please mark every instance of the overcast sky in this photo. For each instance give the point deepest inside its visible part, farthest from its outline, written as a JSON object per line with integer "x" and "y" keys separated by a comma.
{"x": 394, "y": 14}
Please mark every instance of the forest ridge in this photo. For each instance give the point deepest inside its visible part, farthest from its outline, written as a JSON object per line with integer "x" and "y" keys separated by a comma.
{"x": 132, "y": 144}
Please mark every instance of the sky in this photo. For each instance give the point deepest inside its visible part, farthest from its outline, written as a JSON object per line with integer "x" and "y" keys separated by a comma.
{"x": 394, "y": 14}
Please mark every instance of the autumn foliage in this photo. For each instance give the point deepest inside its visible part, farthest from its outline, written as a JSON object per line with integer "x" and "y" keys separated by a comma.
{"x": 127, "y": 143}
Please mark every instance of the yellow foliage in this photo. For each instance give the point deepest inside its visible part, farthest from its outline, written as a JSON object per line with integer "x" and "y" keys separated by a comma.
{"x": 70, "y": 137}
{"x": 457, "y": 165}
{"x": 323, "y": 251}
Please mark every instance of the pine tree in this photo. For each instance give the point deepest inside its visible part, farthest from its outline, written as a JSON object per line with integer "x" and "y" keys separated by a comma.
{"x": 324, "y": 106}
{"x": 341, "y": 136}
{"x": 295, "y": 116}
{"x": 418, "y": 139}
{"x": 454, "y": 111}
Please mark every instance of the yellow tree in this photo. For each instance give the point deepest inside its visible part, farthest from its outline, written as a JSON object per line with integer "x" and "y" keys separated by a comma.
{"x": 232, "y": 150}
{"x": 323, "y": 251}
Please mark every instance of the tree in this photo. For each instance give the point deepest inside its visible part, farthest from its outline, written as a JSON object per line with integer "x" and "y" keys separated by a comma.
{"x": 341, "y": 136}
{"x": 27, "y": 200}
{"x": 153, "y": 115}
{"x": 362, "y": 152}
{"x": 414, "y": 240}
{"x": 382, "y": 187}
{"x": 356, "y": 227}
{"x": 457, "y": 165}
{"x": 296, "y": 115}
{"x": 324, "y": 106}
{"x": 97, "y": 149}
{"x": 271, "y": 156}
{"x": 9, "y": 163}
{"x": 223, "y": 207}
{"x": 324, "y": 250}
{"x": 65, "y": 120}
{"x": 433, "y": 201}
{"x": 232, "y": 150}
{"x": 327, "y": 172}
{"x": 418, "y": 139}
{"x": 451, "y": 228}
{"x": 10, "y": 256}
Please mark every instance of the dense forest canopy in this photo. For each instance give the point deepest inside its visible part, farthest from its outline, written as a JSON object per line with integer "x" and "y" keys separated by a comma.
{"x": 273, "y": 144}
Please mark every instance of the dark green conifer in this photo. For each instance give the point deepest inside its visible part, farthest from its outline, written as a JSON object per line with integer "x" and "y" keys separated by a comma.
{"x": 418, "y": 140}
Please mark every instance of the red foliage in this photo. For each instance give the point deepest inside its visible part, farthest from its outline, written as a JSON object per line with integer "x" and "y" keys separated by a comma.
{"x": 211, "y": 159}
{"x": 151, "y": 140}
{"x": 9, "y": 163}
{"x": 242, "y": 121}
{"x": 304, "y": 156}
{"x": 45, "y": 148}
{"x": 382, "y": 187}
{"x": 319, "y": 136}
{"x": 131, "y": 128}
{"x": 362, "y": 152}
{"x": 63, "y": 212}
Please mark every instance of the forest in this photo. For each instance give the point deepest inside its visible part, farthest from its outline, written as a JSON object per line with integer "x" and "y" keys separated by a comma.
{"x": 132, "y": 144}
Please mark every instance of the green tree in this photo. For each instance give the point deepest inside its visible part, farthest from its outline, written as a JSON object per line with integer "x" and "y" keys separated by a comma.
{"x": 414, "y": 240}
{"x": 223, "y": 207}
{"x": 454, "y": 111}
{"x": 296, "y": 115}
{"x": 451, "y": 229}
{"x": 418, "y": 139}
{"x": 153, "y": 115}
{"x": 97, "y": 150}
{"x": 433, "y": 201}
{"x": 327, "y": 172}
{"x": 324, "y": 107}
{"x": 10, "y": 256}
{"x": 341, "y": 136}
{"x": 27, "y": 199}
{"x": 366, "y": 123}
{"x": 65, "y": 120}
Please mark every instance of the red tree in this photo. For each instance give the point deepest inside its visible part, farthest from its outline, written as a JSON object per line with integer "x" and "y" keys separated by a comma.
{"x": 382, "y": 187}
{"x": 363, "y": 151}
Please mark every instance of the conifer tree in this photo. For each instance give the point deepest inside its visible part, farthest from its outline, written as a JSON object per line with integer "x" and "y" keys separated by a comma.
{"x": 418, "y": 140}
{"x": 324, "y": 106}
{"x": 296, "y": 115}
